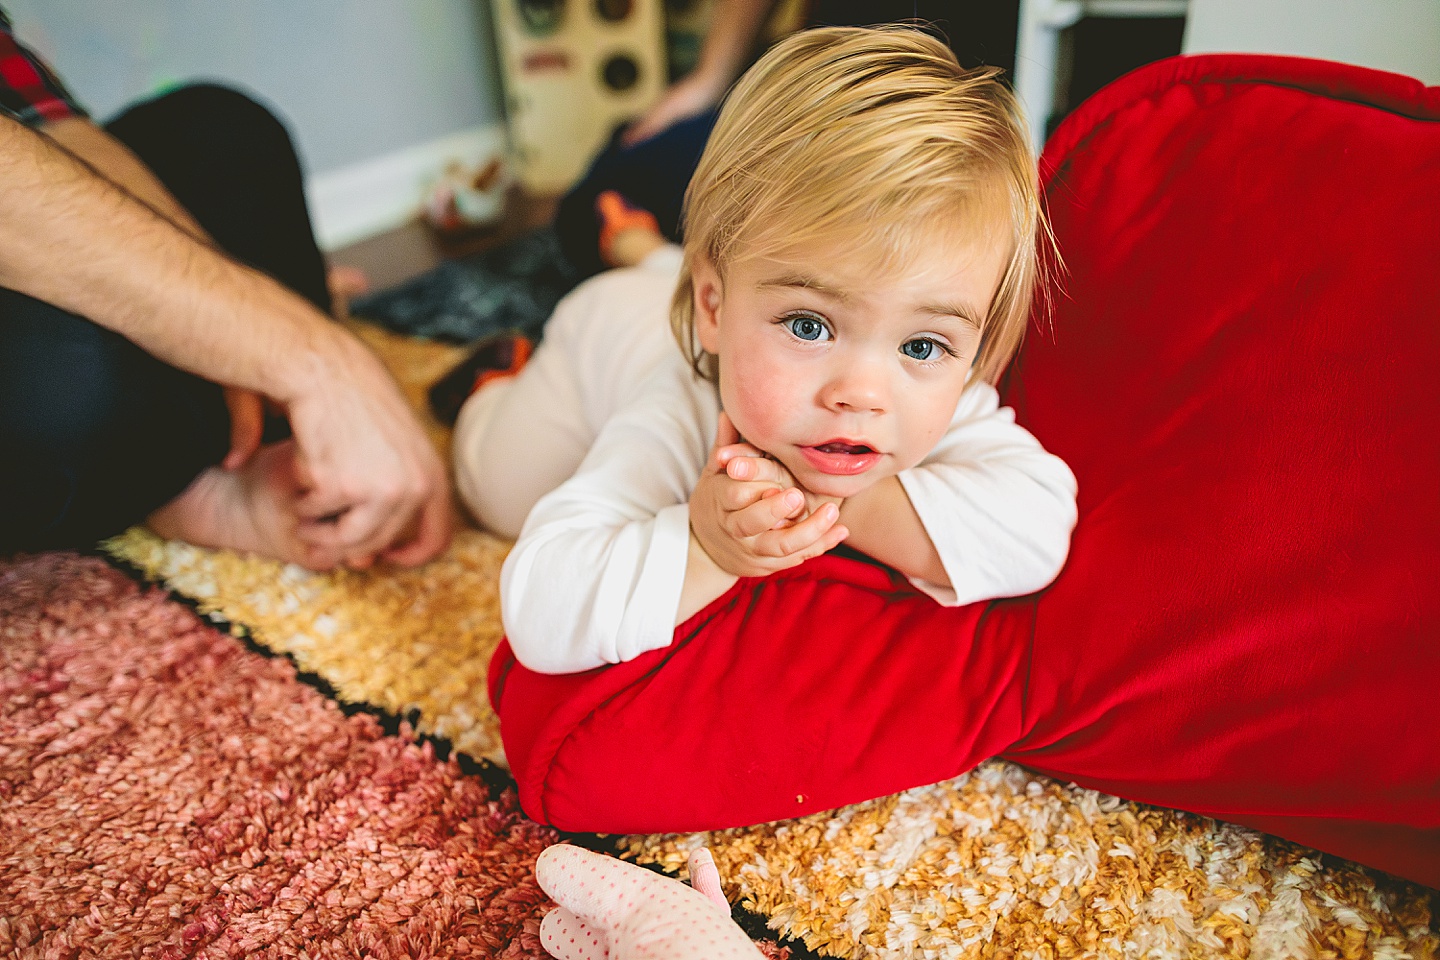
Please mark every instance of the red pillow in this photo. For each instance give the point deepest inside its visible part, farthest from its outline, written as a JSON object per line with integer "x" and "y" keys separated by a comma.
{"x": 1240, "y": 374}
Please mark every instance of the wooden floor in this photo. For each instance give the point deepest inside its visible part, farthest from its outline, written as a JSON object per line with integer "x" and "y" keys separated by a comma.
{"x": 397, "y": 255}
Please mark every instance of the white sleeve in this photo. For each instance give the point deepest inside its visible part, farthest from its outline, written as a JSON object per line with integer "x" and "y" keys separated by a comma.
{"x": 998, "y": 508}
{"x": 596, "y": 575}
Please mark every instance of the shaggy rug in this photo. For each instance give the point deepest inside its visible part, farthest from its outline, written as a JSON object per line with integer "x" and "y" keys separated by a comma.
{"x": 998, "y": 862}
{"x": 165, "y": 792}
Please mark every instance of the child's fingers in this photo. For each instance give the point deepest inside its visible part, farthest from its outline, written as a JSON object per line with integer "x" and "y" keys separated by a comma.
{"x": 763, "y": 513}
{"x": 725, "y": 432}
{"x": 724, "y": 456}
{"x": 755, "y": 466}
{"x": 800, "y": 537}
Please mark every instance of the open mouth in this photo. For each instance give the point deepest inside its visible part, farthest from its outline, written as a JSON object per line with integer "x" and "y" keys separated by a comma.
{"x": 841, "y": 457}
{"x": 835, "y": 446}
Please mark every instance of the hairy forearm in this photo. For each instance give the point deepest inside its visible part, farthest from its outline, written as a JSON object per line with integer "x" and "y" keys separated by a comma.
{"x": 734, "y": 28}
{"x": 73, "y": 238}
{"x": 113, "y": 160}
{"x": 883, "y": 524}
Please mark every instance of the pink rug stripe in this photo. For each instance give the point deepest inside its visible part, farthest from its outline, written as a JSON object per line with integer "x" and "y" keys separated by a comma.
{"x": 165, "y": 792}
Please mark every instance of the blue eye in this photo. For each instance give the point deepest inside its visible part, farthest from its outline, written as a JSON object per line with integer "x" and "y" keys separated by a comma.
{"x": 806, "y": 327}
{"x": 921, "y": 348}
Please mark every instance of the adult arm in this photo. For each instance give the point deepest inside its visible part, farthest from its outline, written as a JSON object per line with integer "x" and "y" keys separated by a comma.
{"x": 725, "y": 51}
{"x": 73, "y": 238}
{"x": 987, "y": 514}
{"x": 115, "y": 162}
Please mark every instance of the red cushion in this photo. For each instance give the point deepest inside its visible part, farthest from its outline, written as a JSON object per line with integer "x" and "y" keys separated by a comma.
{"x": 1240, "y": 375}
{"x": 1243, "y": 377}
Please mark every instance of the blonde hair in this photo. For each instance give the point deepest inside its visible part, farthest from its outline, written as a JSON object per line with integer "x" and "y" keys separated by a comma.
{"x": 874, "y": 134}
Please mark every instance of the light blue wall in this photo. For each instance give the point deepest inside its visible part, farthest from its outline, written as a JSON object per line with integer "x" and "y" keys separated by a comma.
{"x": 355, "y": 79}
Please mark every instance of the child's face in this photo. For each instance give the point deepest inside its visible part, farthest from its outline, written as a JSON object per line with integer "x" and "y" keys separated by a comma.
{"x": 845, "y": 377}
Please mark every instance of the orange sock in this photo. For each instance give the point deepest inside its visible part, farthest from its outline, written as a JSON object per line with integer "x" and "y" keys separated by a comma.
{"x": 618, "y": 215}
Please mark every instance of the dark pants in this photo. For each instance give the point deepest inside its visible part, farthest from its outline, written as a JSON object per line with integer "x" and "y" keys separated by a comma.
{"x": 95, "y": 434}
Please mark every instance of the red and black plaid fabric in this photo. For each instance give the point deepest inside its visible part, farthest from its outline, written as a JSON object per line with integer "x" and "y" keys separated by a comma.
{"x": 29, "y": 91}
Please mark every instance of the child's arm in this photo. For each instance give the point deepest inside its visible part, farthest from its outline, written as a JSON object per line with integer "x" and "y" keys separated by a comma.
{"x": 883, "y": 524}
{"x": 989, "y": 504}
{"x": 607, "y": 562}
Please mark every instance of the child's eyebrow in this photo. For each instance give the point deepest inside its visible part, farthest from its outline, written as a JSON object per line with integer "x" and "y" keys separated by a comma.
{"x": 964, "y": 312}
{"x": 809, "y": 283}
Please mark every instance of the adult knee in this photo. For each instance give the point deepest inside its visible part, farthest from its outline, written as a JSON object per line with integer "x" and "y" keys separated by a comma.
{"x": 94, "y": 433}
{"x": 225, "y": 117}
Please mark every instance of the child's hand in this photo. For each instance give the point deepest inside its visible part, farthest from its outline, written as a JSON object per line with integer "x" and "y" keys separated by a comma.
{"x": 750, "y": 517}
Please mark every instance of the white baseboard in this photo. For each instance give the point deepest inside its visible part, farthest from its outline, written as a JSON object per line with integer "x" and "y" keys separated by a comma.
{"x": 361, "y": 200}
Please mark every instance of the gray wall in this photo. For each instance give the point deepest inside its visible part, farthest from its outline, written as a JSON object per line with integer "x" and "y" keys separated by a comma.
{"x": 1402, "y": 36}
{"x": 356, "y": 79}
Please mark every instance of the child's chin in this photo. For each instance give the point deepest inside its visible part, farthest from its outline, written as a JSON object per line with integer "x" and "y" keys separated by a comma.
{"x": 828, "y": 485}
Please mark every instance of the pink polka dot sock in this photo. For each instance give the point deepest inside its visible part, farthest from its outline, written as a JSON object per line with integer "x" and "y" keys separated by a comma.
{"x": 618, "y": 910}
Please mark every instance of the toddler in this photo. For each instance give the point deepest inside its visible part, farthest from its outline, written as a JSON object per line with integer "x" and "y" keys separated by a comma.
{"x": 861, "y": 251}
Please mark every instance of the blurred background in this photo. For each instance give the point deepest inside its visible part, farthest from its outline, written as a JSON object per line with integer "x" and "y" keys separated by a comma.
{"x": 384, "y": 96}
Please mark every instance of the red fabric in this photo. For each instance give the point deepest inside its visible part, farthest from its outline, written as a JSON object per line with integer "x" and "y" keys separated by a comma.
{"x": 1241, "y": 376}
{"x": 799, "y": 692}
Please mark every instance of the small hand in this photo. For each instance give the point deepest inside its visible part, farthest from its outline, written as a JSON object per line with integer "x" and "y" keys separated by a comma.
{"x": 750, "y": 518}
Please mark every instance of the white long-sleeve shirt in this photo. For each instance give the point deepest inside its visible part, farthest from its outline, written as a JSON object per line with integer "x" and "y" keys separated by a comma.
{"x": 596, "y": 575}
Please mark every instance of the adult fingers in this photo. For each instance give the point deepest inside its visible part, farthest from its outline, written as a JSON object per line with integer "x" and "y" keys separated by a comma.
{"x": 567, "y": 937}
{"x": 247, "y": 425}
{"x": 368, "y": 527}
{"x": 432, "y": 536}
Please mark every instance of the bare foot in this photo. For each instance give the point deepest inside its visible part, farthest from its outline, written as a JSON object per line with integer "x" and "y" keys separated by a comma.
{"x": 250, "y": 510}
{"x": 628, "y": 234}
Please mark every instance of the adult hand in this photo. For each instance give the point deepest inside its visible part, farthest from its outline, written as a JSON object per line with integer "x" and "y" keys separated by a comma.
{"x": 685, "y": 98}
{"x": 750, "y": 517}
{"x": 612, "y": 909}
{"x": 374, "y": 485}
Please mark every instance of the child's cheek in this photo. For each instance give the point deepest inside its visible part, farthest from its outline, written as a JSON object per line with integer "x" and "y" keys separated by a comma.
{"x": 759, "y": 403}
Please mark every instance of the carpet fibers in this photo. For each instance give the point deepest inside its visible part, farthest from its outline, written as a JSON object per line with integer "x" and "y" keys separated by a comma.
{"x": 170, "y": 773}
{"x": 166, "y": 792}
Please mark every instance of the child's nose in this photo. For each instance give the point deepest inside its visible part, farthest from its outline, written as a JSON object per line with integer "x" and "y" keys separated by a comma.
{"x": 858, "y": 388}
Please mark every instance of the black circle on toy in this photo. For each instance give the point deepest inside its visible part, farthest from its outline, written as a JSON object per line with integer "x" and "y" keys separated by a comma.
{"x": 620, "y": 72}
{"x": 614, "y": 10}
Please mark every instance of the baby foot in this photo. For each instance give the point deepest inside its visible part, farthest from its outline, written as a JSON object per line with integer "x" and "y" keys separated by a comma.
{"x": 250, "y": 510}
{"x": 628, "y": 234}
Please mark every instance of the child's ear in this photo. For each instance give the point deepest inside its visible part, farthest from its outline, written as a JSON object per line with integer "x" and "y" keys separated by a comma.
{"x": 708, "y": 293}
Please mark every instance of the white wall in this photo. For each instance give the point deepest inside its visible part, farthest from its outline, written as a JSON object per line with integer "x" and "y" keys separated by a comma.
{"x": 1401, "y": 36}
{"x": 378, "y": 94}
